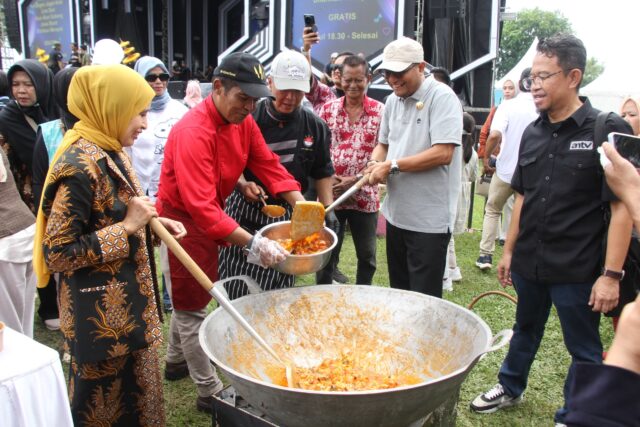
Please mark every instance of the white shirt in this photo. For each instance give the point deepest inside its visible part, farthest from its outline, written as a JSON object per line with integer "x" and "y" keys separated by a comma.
{"x": 147, "y": 151}
{"x": 511, "y": 119}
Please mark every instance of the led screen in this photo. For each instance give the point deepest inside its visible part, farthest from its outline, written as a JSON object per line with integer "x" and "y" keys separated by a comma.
{"x": 359, "y": 26}
{"x": 48, "y": 21}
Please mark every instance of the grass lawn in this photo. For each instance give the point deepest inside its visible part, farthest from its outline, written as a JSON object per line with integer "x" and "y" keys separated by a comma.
{"x": 543, "y": 395}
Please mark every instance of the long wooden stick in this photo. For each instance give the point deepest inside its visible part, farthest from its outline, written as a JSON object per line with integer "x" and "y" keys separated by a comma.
{"x": 207, "y": 284}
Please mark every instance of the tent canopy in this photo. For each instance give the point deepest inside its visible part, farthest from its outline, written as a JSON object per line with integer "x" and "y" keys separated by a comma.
{"x": 616, "y": 83}
{"x": 525, "y": 61}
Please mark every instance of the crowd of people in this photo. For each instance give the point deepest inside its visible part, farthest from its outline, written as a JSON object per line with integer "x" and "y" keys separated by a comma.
{"x": 92, "y": 155}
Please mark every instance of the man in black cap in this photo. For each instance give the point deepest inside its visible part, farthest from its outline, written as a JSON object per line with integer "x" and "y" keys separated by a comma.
{"x": 205, "y": 154}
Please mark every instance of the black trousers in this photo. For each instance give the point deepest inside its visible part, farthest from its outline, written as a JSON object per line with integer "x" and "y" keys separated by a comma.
{"x": 416, "y": 260}
{"x": 48, "y": 296}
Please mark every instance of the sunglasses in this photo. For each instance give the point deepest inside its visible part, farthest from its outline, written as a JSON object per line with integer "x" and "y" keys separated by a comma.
{"x": 398, "y": 74}
{"x": 164, "y": 77}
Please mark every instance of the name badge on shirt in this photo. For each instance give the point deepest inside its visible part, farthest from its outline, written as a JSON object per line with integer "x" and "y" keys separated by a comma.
{"x": 581, "y": 145}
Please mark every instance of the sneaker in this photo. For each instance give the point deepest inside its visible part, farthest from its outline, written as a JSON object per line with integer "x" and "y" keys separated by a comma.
{"x": 455, "y": 274}
{"x": 176, "y": 371}
{"x": 205, "y": 403}
{"x": 561, "y": 425}
{"x": 484, "y": 262}
{"x": 493, "y": 400}
{"x": 447, "y": 284}
{"x": 339, "y": 277}
{"x": 501, "y": 242}
{"x": 52, "y": 324}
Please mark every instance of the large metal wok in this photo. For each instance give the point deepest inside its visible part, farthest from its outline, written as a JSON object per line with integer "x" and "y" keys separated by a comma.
{"x": 435, "y": 340}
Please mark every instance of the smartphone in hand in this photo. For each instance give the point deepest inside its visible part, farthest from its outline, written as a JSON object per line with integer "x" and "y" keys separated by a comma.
{"x": 310, "y": 21}
{"x": 628, "y": 146}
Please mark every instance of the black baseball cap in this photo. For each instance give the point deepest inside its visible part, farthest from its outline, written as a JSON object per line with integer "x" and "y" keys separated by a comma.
{"x": 246, "y": 70}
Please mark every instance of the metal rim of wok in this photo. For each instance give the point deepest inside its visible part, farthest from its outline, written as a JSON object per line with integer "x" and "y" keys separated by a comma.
{"x": 482, "y": 323}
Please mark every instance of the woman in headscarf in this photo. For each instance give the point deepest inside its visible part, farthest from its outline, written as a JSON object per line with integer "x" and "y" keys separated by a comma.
{"x": 630, "y": 283}
{"x": 92, "y": 228}
{"x": 32, "y": 92}
{"x": 193, "y": 94}
{"x": 148, "y": 152}
{"x": 630, "y": 111}
{"x": 49, "y": 137}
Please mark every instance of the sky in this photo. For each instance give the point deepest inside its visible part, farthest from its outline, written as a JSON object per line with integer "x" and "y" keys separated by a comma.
{"x": 608, "y": 28}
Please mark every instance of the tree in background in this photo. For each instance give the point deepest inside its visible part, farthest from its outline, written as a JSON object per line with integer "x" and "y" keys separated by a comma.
{"x": 592, "y": 71}
{"x": 518, "y": 35}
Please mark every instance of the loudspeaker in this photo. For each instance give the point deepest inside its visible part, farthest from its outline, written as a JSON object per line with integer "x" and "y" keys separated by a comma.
{"x": 446, "y": 9}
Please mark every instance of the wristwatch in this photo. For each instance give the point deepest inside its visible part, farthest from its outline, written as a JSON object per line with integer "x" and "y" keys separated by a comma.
{"x": 617, "y": 275}
{"x": 394, "y": 167}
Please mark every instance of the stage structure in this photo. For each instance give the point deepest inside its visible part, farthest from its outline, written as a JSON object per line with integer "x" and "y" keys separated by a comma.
{"x": 460, "y": 35}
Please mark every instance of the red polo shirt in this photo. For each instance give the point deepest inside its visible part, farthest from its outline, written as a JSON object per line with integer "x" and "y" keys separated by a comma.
{"x": 203, "y": 159}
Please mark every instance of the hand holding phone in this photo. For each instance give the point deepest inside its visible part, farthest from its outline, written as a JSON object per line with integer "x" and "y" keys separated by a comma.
{"x": 310, "y": 22}
{"x": 628, "y": 146}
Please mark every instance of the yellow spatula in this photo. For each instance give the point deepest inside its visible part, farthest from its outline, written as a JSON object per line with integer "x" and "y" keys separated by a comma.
{"x": 307, "y": 218}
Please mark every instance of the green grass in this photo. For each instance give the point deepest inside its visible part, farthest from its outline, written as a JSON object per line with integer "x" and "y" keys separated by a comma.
{"x": 542, "y": 397}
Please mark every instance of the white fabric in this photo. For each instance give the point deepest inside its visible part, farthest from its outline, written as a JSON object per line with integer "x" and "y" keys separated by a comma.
{"x": 511, "y": 119}
{"x": 18, "y": 281}
{"x": 3, "y": 172}
{"x": 17, "y": 296}
{"x": 147, "y": 151}
{"x": 18, "y": 247}
{"x": 32, "y": 386}
{"x": 618, "y": 80}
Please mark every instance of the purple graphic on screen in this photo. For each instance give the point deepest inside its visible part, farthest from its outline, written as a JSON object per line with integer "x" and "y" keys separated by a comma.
{"x": 48, "y": 21}
{"x": 358, "y": 26}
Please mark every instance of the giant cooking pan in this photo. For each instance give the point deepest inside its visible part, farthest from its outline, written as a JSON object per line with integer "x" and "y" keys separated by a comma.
{"x": 436, "y": 341}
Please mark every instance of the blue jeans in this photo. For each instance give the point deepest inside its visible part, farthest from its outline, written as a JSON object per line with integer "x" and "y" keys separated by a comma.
{"x": 580, "y": 330}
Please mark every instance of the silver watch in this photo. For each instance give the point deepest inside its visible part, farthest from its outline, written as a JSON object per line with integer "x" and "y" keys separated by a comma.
{"x": 394, "y": 167}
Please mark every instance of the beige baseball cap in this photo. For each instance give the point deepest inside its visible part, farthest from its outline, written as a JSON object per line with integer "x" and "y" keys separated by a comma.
{"x": 291, "y": 70}
{"x": 400, "y": 54}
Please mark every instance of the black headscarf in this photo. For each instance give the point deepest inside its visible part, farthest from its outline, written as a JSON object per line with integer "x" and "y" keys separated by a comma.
{"x": 13, "y": 125}
{"x": 61, "y": 83}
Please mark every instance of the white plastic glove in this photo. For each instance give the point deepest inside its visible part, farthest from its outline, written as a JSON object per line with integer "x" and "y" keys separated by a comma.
{"x": 265, "y": 252}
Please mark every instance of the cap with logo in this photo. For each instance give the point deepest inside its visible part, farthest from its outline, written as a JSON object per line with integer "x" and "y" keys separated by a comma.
{"x": 291, "y": 70}
{"x": 247, "y": 71}
{"x": 400, "y": 54}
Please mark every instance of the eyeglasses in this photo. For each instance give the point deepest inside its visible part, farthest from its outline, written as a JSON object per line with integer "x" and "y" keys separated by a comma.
{"x": 164, "y": 77}
{"x": 335, "y": 67}
{"x": 398, "y": 74}
{"x": 539, "y": 79}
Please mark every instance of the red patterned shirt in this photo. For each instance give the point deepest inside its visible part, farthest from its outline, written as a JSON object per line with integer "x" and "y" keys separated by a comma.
{"x": 351, "y": 146}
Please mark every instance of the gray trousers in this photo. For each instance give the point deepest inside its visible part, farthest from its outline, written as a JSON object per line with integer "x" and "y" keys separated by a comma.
{"x": 185, "y": 346}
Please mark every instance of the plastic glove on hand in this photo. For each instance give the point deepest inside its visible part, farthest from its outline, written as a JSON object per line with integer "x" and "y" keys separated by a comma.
{"x": 265, "y": 252}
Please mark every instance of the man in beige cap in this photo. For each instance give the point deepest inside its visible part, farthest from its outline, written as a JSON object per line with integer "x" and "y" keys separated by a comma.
{"x": 418, "y": 156}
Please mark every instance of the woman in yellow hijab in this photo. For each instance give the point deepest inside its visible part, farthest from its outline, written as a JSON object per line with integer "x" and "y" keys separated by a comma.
{"x": 92, "y": 228}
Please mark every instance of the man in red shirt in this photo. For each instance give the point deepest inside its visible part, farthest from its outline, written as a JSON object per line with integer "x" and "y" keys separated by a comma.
{"x": 205, "y": 155}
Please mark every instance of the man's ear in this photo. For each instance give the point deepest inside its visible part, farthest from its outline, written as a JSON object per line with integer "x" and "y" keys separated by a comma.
{"x": 576, "y": 77}
{"x": 217, "y": 86}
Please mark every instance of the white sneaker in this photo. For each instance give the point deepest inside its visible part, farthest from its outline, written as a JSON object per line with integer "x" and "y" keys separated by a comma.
{"x": 455, "y": 274}
{"x": 52, "y": 324}
{"x": 493, "y": 400}
{"x": 447, "y": 284}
